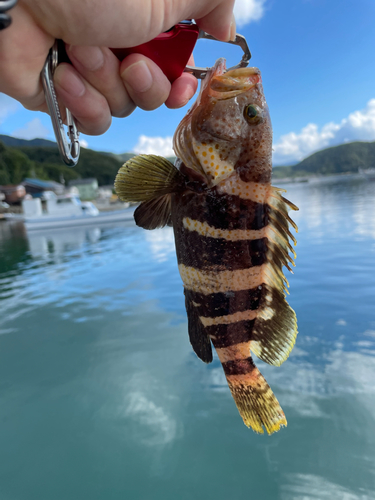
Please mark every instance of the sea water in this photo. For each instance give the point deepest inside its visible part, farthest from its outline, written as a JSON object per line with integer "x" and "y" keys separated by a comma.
{"x": 102, "y": 397}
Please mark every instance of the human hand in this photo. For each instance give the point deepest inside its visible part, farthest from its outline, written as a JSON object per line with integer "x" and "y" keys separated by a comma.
{"x": 97, "y": 85}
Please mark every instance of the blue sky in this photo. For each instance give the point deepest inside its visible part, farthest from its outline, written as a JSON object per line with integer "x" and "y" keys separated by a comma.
{"x": 317, "y": 59}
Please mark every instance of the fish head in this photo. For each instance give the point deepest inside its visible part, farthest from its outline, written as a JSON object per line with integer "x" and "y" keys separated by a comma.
{"x": 228, "y": 128}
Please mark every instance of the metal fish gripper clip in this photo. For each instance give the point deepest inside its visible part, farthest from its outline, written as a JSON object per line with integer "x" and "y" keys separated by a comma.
{"x": 69, "y": 150}
{"x": 172, "y": 49}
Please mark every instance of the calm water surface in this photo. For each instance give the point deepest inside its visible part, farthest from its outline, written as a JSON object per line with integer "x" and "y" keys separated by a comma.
{"x": 102, "y": 397}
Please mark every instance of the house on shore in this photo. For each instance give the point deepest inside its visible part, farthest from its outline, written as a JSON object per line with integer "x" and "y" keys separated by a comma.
{"x": 12, "y": 194}
{"x": 37, "y": 187}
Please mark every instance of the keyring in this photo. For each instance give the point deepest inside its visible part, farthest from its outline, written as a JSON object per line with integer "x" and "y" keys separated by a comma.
{"x": 67, "y": 141}
{"x": 5, "y": 19}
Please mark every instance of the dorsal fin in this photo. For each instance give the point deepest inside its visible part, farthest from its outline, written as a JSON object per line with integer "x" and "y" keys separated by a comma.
{"x": 275, "y": 328}
{"x": 145, "y": 177}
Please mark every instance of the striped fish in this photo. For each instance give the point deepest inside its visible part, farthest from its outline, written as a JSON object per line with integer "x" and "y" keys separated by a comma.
{"x": 231, "y": 231}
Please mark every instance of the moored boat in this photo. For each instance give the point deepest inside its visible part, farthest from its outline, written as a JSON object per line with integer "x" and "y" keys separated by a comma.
{"x": 64, "y": 211}
{"x": 369, "y": 173}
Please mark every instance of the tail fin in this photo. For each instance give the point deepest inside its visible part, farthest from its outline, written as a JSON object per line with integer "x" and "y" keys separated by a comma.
{"x": 254, "y": 398}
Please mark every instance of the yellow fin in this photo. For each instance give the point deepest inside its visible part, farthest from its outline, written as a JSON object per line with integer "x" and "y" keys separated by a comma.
{"x": 145, "y": 177}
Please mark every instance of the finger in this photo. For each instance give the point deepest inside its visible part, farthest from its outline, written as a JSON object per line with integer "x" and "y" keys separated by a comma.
{"x": 144, "y": 81}
{"x": 191, "y": 61}
{"x": 220, "y": 22}
{"x": 183, "y": 89}
{"x": 22, "y": 61}
{"x": 88, "y": 106}
{"x": 98, "y": 25}
{"x": 101, "y": 69}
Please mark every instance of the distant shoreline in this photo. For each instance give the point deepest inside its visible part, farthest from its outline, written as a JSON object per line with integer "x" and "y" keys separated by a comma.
{"x": 321, "y": 179}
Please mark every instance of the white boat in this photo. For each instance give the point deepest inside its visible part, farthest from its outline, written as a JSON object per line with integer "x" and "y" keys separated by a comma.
{"x": 369, "y": 173}
{"x": 65, "y": 211}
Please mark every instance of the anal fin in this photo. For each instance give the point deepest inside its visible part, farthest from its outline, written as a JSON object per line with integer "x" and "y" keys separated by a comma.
{"x": 199, "y": 339}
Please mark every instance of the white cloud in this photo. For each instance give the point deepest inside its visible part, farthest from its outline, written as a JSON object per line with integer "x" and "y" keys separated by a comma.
{"x": 32, "y": 130}
{"x": 341, "y": 322}
{"x": 8, "y": 106}
{"x": 246, "y": 11}
{"x": 154, "y": 146}
{"x": 83, "y": 143}
{"x": 358, "y": 126}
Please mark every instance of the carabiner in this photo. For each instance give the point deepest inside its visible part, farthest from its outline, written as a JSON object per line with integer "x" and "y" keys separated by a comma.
{"x": 5, "y": 19}
{"x": 69, "y": 151}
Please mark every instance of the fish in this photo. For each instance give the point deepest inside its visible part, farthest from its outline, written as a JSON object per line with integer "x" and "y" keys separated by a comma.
{"x": 232, "y": 234}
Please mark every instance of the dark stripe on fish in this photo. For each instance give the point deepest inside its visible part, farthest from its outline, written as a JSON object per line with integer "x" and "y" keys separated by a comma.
{"x": 223, "y": 211}
{"x": 232, "y": 334}
{"x": 239, "y": 366}
{"x": 222, "y": 304}
{"x": 204, "y": 252}
{"x": 232, "y": 212}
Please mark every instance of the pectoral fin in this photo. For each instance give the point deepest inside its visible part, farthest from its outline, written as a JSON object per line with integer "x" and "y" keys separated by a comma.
{"x": 146, "y": 177}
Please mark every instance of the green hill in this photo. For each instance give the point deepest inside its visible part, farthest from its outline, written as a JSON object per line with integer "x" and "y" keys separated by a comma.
{"x": 346, "y": 158}
{"x": 15, "y": 142}
{"x": 20, "y": 159}
{"x": 103, "y": 167}
{"x": 124, "y": 157}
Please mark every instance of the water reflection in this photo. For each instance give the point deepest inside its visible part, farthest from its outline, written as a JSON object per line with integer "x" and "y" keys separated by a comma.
{"x": 59, "y": 242}
{"x": 104, "y": 398}
{"x": 335, "y": 210}
{"x": 108, "y": 266}
{"x": 311, "y": 487}
{"x": 161, "y": 243}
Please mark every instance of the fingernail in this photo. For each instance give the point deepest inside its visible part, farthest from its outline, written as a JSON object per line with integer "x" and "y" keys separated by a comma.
{"x": 189, "y": 94}
{"x": 138, "y": 77}
{"x": 91, "y": 58}
{"x": 70, "y": 82}
{"x": 233, "y": 29}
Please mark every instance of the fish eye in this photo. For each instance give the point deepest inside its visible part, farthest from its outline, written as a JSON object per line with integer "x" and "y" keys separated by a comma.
{"x": 253, "y": 114}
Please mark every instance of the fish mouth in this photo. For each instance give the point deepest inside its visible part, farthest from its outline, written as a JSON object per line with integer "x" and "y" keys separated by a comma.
{"x": 224, "y": 85}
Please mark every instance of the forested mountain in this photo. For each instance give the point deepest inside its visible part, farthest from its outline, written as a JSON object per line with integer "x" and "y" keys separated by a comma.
{"x": 15, "y": 142}
{"x": 22, "y": 161}
{"x": 336, "y": 160}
